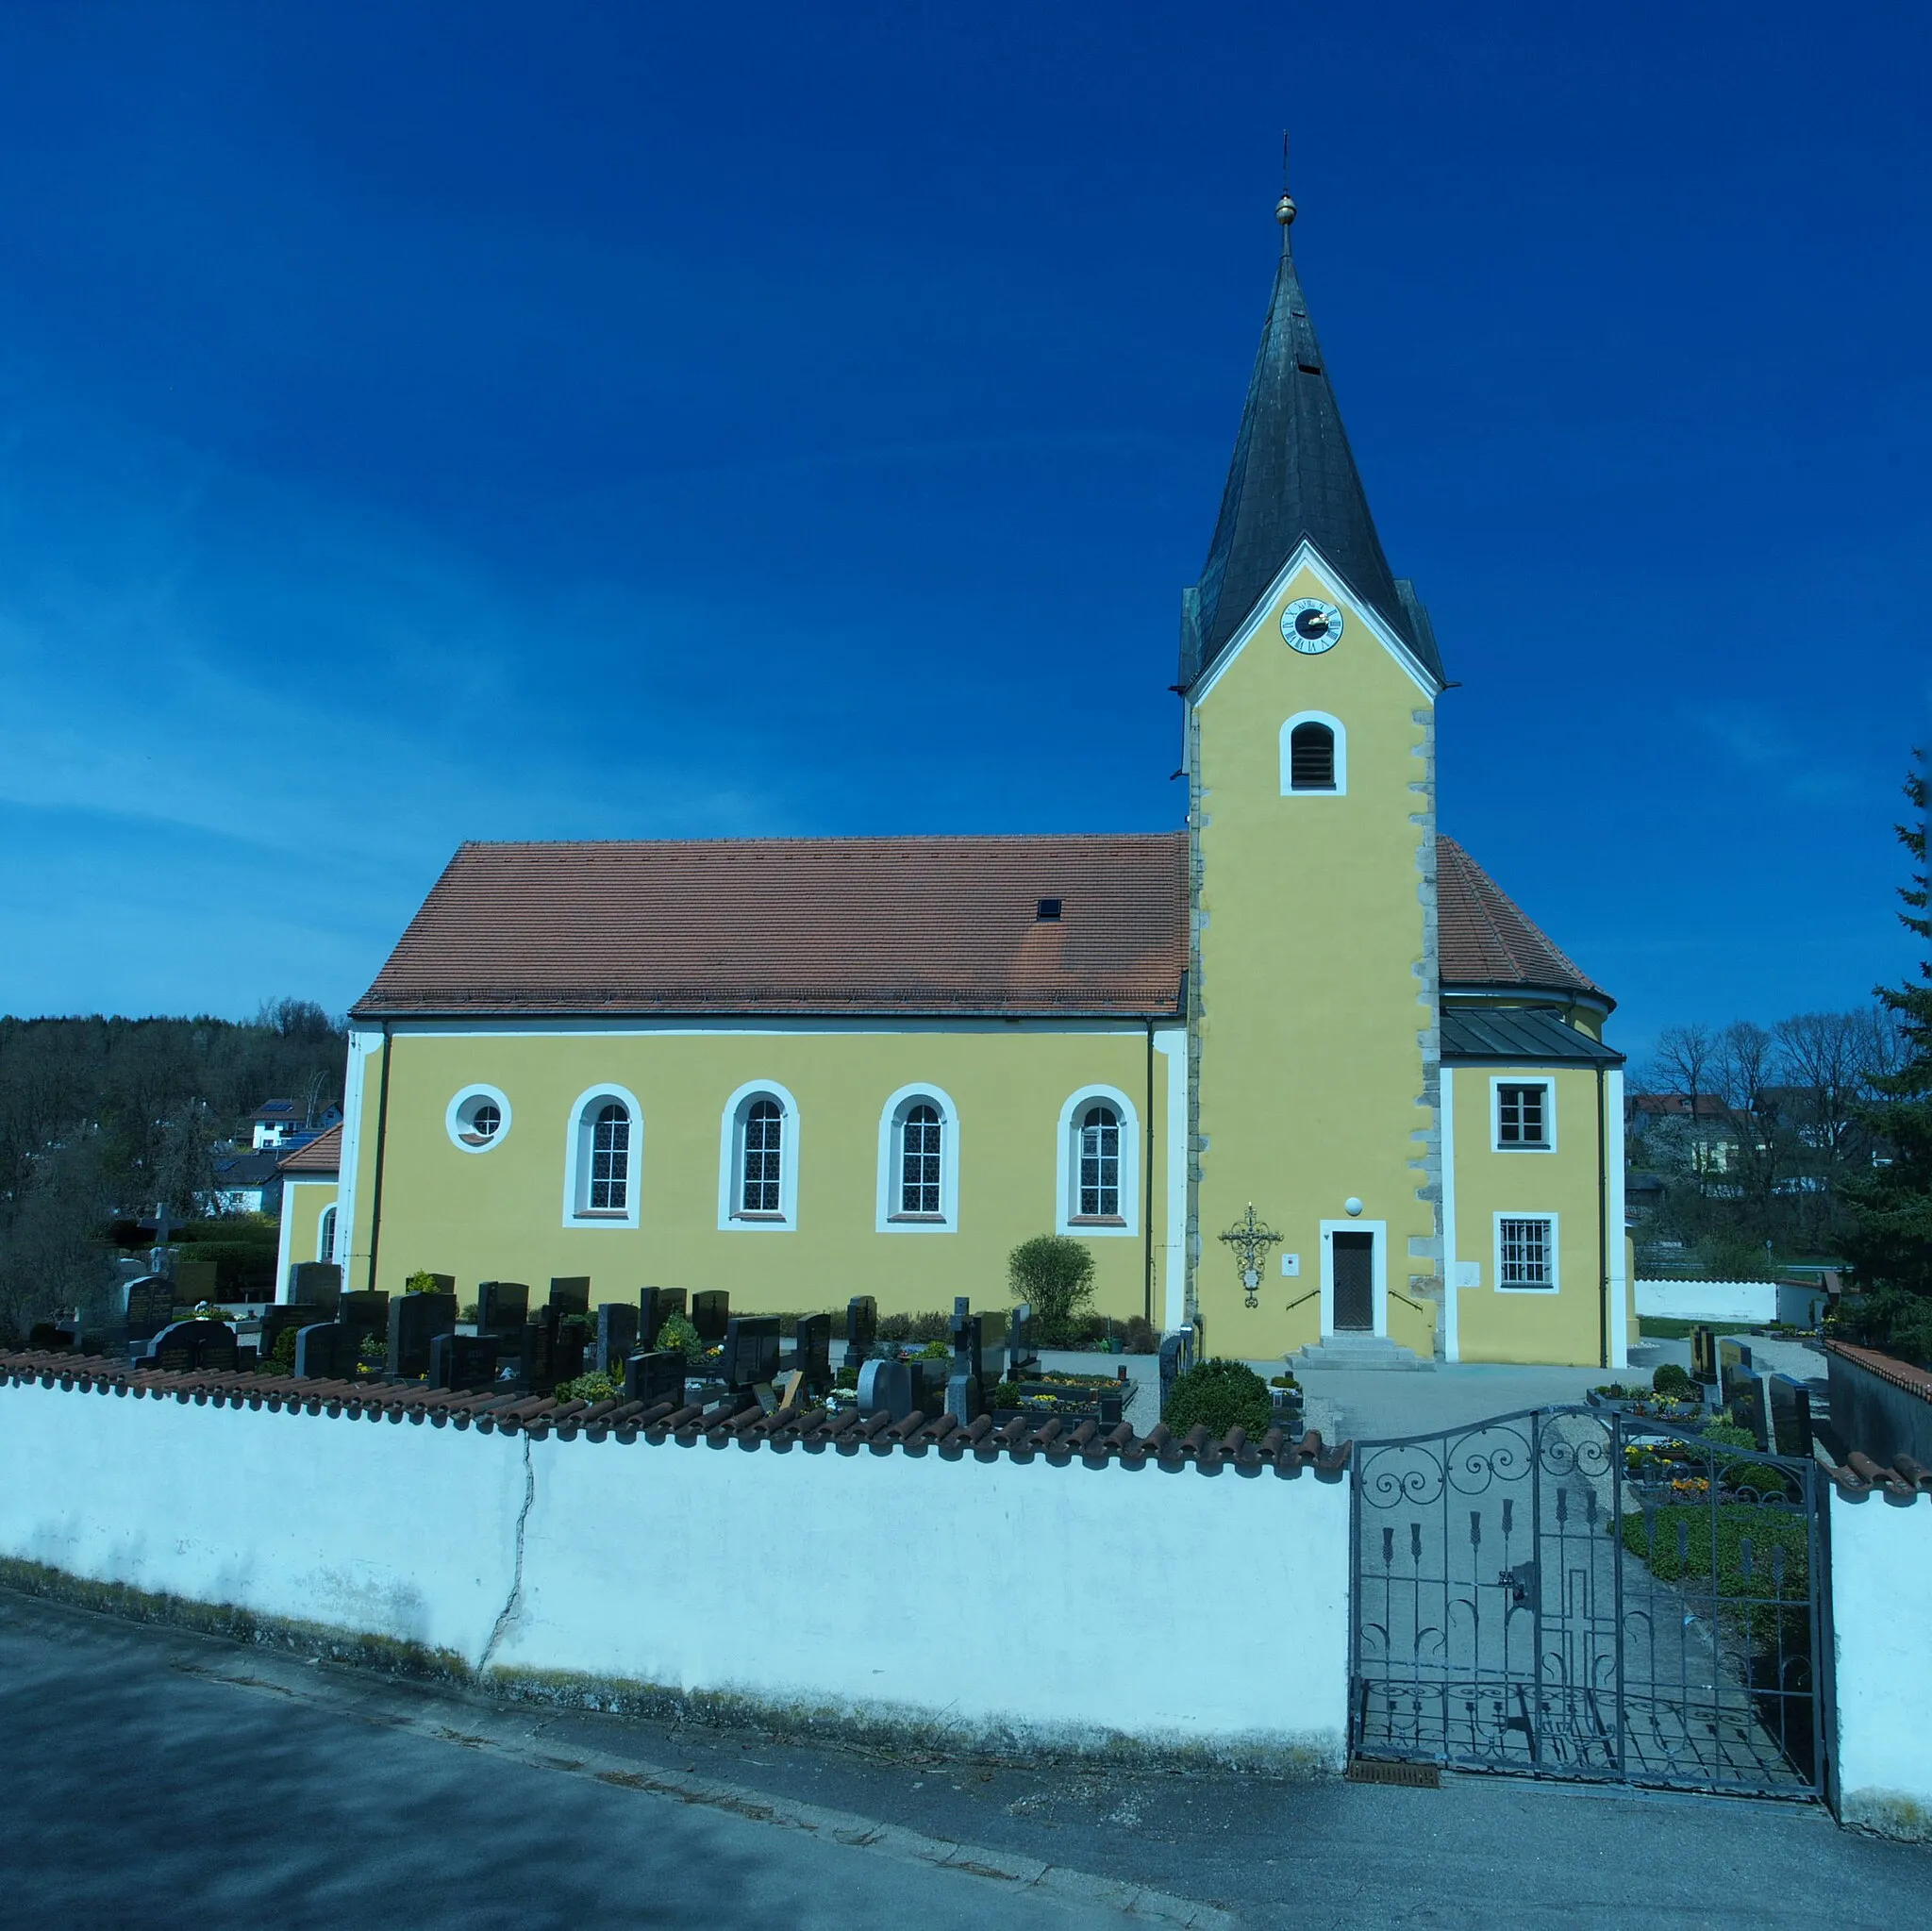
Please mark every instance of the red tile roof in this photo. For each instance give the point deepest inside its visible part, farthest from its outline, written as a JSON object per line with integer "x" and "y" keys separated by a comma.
{"x": 1484, "y": 938}
{"x": 321, "y": 1156}
{"x": 540, "y": 1415}
{"x": 944, "y": 927}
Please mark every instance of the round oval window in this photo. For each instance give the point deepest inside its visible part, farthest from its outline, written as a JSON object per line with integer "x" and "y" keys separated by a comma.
{"x": 478, "y": 1118}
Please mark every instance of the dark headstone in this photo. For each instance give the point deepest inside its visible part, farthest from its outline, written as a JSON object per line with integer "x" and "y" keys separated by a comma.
{"x": 366, "y": 1314}
{"x": 325, "y": 1352}
{"x": 655, "y": 1305}
{"x": 969, "y": 1341}
{"x": 502, "y": 1307}
{"x": 149, "y": 1306}
{"x": 710, "y": 1314}
{"x": 814, "y": 1350}
{"x": 463, "y": 1362}
{"x": 283, "y": 1318}
{"x": 1791, "y": 1416}
{"x": 1177, "y": 1358}
{"x": 751, "y": 1350}
{"x": 193, "y": 1344}
{"x": 1704, "y": 1356}
{"x": 569, "y": 1348}
{"x": 47, "y": 1337}
{"x": 570, "y": 1293}
{"x": 617, "y": 1337}
{"x": 414, "y": 1322}
{"x": 861, "y": 1328}
{"x": 885, "y": 1388}
{"x": 1021, "y": 1356}
{"x": 536, "y": 1358}
{"x": 1740, "y": 1390}
{"x": 656, "y": 1376}
{"x": 316, "y": 1284}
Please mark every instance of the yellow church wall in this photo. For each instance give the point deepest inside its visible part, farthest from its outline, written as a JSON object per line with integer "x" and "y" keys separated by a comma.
{"x": 499, "y": 1214}
{"x": 1564, "y": 1327}
{"x": 303, "y": 1202}
{"x": 1311, "y": 1000}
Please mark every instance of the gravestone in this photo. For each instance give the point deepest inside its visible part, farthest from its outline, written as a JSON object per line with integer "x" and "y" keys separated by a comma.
{"x": 570, "y": 1293}
{"x": 1177, "y": 1358}
{"x": 462, "y": 1362}
{"x": 536, "y": 1358}
{"x": 569, "y": 1346}
{"x": 813, "y": 1349}
{"x": 655, "y": 1305}
{"x": 861, "y": 1330}
{"x": 149, "y": 1306}
{"x": 885, "y": 1388}
{"x": 502, "y": 1307}
{"x": 367, "y": 1314}
{"x": 1740, "y": 1390}
{"x": 327, "y": 1351}
{"x": 617, "y": 1337}
{"x": 189, "y": 1345}
{"x": 751, "y": 1350}
{"x": 964, "y": 1400}
{"x": 656, "y": 1376}
{"x": 285, "y": 1317}
{"x": 1704, "y": 1356}
{"x": 414, "y": 1322}
{"x": 1791, "y": 1416}
{"x": 44, "y": 1337}
{"x": 710, "y": 1314}
{"x": 1021, "y": 1356}
{"x": 316, "y": 1284}
{"x": 969, "y": 1341}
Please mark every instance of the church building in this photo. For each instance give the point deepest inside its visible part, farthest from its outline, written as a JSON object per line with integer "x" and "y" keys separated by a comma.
{"x": 1299, "y": 1071}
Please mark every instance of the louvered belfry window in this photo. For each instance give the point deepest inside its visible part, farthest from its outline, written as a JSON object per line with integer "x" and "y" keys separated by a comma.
{"x": 763, "y": 1158}
{"x": 920, "y": 1156}
{"x": 610, "y": 1160}
{"x": 1522, "y": 1115}
{"x": 1100, "y": 1164}
{"x": 1311, "y": 759}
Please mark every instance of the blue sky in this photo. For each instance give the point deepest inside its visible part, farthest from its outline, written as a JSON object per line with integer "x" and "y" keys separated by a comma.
{"x": 447, "y": 422}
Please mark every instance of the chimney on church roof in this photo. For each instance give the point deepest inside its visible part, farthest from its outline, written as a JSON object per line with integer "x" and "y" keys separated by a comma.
{"x": 1292, "y": 476}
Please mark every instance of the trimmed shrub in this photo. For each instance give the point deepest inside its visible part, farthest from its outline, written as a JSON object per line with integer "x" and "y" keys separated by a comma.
{"x": 1054, "y": 1274}
{"x": 590, "y": 1388}
{"x": 1673, "y": 1382}
{"x": 1224, "y": 1396}
{"x": 678, "y": 1332}
{"x": 422, "y": 1282}
{"x": 1140, "y": 1336}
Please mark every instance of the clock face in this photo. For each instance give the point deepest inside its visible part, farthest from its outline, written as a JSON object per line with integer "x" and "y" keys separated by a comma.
{"x": 1311, "y": 626}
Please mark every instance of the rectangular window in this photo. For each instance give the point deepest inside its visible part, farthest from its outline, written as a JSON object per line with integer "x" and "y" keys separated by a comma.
{"x": 1523, "y": 1115}
{"x": 1525, "y": 1252}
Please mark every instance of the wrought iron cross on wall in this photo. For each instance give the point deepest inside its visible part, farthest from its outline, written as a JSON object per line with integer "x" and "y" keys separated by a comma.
{"x": 1250, "y": 1242}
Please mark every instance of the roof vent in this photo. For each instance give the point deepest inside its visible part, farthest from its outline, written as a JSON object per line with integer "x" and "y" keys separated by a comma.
{"x": 1048, "y": 908}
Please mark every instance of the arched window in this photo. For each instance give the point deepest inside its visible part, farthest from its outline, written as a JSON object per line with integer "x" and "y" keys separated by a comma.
{"x": 1314, "y": 755}
{"x": 1100, "y": 1164}
{"x": 757, "y": 1159}
{"x": 605, "y": 1138}
{"x": 762, "y": 1161}
{"x": 919, "y": 1162}
{"x": 325, "y": 1235}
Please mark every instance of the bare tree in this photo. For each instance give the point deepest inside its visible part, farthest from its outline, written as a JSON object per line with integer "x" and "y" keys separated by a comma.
{"x": 1684, "y": 1065}
{"x": 1830, "y": 1061}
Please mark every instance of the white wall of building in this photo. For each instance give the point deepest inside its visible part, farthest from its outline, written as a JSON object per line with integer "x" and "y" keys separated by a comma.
{"x": 1063, "y": 1603}
{"x": 1881, "y": 1583}
{"x": 1750, "y": 1301}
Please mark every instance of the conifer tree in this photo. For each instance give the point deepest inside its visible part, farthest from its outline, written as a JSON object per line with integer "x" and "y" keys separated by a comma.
{"x": 1890, "y": 1245}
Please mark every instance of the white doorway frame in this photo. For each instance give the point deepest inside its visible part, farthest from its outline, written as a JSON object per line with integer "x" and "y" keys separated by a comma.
{"x": 1378, "y": 1255}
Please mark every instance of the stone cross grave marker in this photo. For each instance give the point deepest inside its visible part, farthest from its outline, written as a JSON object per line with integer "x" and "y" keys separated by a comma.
{"x": 710, "y": 1314}
{"x": 617, "y": 1337}
{"x": 502, "y": 1307}
{"x": 463, "y": 1362}
{"x": 414, "y": 1322}
{"x": 654, "y": 1377}
{"x": 861, "y": 1330}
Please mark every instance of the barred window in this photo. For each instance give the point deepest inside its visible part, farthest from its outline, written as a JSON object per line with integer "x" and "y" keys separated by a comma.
{"x": 1311, "y": 759}
{"x": 762, "y": 1159}
{"x": 1522, "y": 1115}
{"x": 920, "y": 1149}
{"x": 1526, "y": 1256}
{"x": 610, "y": 1191}
{"x": 1100, "y": 1164}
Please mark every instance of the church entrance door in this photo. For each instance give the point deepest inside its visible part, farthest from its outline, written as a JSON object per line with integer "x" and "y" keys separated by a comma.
{"x": 1355, "y": 1283}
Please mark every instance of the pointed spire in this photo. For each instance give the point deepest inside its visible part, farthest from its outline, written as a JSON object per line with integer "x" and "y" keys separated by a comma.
{"x": 1292, "y": 476}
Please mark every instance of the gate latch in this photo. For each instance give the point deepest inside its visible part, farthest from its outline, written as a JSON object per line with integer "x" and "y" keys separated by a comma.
{"x": 1520, "y": 1582}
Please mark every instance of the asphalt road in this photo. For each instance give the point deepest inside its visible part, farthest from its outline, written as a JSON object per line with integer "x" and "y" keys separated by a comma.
{"x": 154, "y": 1776}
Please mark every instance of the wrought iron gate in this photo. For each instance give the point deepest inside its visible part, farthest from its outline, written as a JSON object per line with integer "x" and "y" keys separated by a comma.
{"x": 1576, "y": 1592}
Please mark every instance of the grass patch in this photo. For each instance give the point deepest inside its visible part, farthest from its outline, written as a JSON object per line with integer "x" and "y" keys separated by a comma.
{"x": 1661, "y": 1327}
{"x": 1702, "y": 1550}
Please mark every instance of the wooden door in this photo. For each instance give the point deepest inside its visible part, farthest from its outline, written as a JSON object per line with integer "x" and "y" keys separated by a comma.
{"x": 1355, "y": 1283}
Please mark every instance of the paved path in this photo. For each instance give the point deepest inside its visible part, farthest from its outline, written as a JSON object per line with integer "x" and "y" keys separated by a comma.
{"x": 159, "y": 1778}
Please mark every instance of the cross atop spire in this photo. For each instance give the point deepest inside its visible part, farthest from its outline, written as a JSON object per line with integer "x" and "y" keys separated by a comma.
{"x": 1292, "y": 475}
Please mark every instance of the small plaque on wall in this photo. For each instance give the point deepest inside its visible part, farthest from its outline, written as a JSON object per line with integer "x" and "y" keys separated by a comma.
{"x": 1291, "y": 1263}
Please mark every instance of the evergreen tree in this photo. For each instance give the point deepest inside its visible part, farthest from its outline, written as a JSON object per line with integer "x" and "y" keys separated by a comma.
{"x": 1889, "y": 1244}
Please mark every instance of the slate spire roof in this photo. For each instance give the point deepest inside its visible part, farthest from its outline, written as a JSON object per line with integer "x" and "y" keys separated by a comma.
{"x": 1292, "y": 475}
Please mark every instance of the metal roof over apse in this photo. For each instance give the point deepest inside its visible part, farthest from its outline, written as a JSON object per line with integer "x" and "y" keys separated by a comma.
{"x": 1520, "y": 1035}
{"x": 1292, "y": 475}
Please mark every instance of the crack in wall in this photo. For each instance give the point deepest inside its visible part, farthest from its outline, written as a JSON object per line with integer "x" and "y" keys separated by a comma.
{"x": 515, "y": 1599}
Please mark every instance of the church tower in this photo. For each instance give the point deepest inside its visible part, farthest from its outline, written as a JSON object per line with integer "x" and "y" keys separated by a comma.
{"x": 1309, "y": 676}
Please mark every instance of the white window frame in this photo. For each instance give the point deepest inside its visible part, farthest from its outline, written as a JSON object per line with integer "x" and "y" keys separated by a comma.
{"x": 1378, "y": 1258}
{"x": 577, "y": 1161}
{"x": 1497, "y": 1082}
{"x": 891, "y": 1119}
{"x": 1340, "y": 731}
{"x": 1555, "y": 1281}
{"x": 326, "y": 1232}
{"x": 453, "y": 1118}
{"x": 732, "y": 1219}
{"x": 1067, "y": 1167}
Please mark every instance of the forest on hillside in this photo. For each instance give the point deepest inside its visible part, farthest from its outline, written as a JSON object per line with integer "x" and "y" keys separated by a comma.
{"x": 105, "y": 1118}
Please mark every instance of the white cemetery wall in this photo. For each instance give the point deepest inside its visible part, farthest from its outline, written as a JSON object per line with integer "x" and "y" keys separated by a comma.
{"x": 1751, "y": 1301}
{"x": 1066, "y": 1604}
{"x": 1881, "y": 1580}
